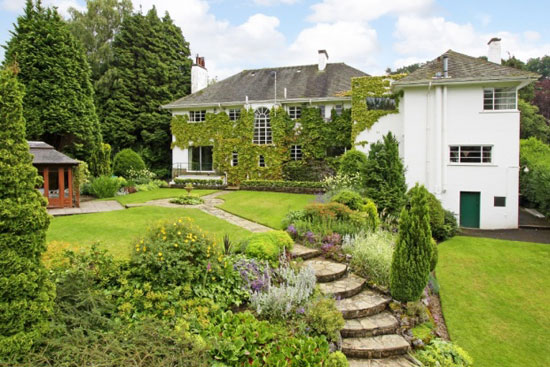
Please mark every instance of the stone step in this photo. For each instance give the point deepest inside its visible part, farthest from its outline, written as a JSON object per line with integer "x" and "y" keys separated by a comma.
{"x": 381, "y": 346}
{"x": 344, "y": 287}
{"x": 366, "y": 303}
{"x": 385, "y": 362}
{"x": 379, "y": 324}
{"x": 304, "y": 252}
{"x": 326, "y": 271}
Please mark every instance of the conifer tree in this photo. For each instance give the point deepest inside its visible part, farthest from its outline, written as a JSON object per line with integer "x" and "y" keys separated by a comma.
{"x": 58, "y": 103}
{"x": 410, "y": 266}
{"x": 151, "y": 67}
{"x": 26, "y": 293}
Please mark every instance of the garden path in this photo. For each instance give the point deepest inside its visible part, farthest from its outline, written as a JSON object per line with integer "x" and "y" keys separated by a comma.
{"x": 209, "y": 207}
{"x": 86, "y": 207}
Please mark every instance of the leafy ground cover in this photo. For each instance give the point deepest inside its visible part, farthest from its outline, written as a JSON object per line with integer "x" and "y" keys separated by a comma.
{"x": 115, "y": 231}
{"x": 495, "y": 299}
{"x": 267, "y": 208}
{"x": 162, "y": 193}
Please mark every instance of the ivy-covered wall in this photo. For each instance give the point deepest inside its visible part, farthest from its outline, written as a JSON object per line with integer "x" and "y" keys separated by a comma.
{"x": 311, "y": 132}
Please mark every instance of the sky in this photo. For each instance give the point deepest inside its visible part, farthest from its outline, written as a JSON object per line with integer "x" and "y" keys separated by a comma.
{"x": 370, "y": 35}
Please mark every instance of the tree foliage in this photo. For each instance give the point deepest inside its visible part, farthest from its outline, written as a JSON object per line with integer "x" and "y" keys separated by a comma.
{"x": 532, "y": 123}
{"x": 535, "y": 180}
{"x": 542, "y": 97}
{"x": 58, "y": 103}
{"x": 540, "y": 65}
{"x": 26, "y": 293}
{"x": 150, "y": 68}
{"x": 414, "y": 250}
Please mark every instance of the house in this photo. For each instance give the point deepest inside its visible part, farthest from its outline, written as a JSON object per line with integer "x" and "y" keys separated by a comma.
{"x": 458, "y": 128}
{"x": 56, "y": 170}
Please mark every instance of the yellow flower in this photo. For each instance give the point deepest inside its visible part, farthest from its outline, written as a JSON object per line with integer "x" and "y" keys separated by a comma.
{"x": 144, "y": 248}
{"x": 179, "y": 233}
{"x": 213, "y": 278}
{"x": 179, "y": 220}
{"x": 160, "y": 253}
{"x": 164, "y": 238}
{"x": 137, "y": 249}
{"x": 175, "y": 245}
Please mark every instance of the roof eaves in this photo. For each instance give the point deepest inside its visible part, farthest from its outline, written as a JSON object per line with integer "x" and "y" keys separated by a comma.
{"x": 237, "y": 103}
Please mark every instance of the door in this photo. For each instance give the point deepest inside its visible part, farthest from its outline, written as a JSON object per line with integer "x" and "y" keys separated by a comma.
{"x": 54, "y": 187}
{"x": 200, "y": 159}
{"x": 470, "y": 206}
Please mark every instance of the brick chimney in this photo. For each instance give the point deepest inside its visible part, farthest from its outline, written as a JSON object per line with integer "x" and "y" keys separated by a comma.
{"x": 323, "y": 59}
{"x": 494, "y": 51}
{"x": 199, "y": 75}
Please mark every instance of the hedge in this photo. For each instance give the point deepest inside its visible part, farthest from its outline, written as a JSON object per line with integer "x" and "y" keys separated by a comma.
{"x": 284, "y": 186}
{"x": 198, "y": 182}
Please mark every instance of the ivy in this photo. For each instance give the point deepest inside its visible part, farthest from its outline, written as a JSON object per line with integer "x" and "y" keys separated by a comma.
{"x": 370, "y": 86}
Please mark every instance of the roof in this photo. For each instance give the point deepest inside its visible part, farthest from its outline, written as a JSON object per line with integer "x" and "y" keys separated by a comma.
{"x": 464, "y": 68}
{"x": 45, "y": 154}
{"x": 301, "y": 82}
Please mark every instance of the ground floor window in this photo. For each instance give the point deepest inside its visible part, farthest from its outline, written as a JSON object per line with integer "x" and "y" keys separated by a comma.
{"x": 500, "y": 201}
{"x": 200, "y": 158}
{"x": 261, "y": 161}
{"x": 235, "y": 159}
{"x": 470, "y": 153}
{"x": 296, "y": 152}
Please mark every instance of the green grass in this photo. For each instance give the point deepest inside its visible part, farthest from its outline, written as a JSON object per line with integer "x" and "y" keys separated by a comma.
{"x": 267, "y": 208}
{"x": 144, "y": 196}
{"x": 117, "y": 230}
{"x": 495, "y": 296}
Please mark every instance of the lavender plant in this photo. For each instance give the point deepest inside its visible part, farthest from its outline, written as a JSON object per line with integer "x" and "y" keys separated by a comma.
{"x": 256, "y": 275}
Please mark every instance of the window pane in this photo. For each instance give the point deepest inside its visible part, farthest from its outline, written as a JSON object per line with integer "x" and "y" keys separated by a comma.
{"x": 53, "y": 183}
{"x": 66, "y": 182}
{"x": 380, "y": 103}
{"x": 470, "y": 154}
{"x": 454, "y": 154}
{"x": 206, "y": 159}
{"x": 235, "y": 159}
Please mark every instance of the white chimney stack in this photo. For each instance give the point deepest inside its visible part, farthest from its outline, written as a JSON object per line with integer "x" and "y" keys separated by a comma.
{"x": 323, "y": 59}
{"x": 199, "y": 75}
{"x": 494, "y": 51}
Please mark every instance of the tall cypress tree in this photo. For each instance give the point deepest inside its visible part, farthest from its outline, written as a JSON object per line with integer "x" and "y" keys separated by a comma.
{"x": 151, "y": 67}
{"x": 410, "y": 266}
{"x": 26, "y": 293}
{"x": 58, "y": 104}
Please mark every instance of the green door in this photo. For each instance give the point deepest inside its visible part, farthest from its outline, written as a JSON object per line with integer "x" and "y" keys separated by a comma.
{"x": 470, "y": 204}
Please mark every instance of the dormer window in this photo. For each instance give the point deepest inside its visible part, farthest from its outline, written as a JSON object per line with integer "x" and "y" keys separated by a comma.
{"x": 499, "y": 99}
{"x": 234, "y": 114}
{"x": 197, "y": 116}
{"x": 339, "y": 108}
{"x": 295, "y": 112}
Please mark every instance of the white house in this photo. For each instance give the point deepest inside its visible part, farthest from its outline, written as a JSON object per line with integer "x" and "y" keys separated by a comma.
{"x": 458, "y": 129}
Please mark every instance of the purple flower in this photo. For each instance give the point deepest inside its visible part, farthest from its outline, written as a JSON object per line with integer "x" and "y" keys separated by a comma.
{"x": 291, "y": 230}
{"x": 208, "y": 267}
{"x": 310, "y": 237}
{"x": 300, "y": 310}
{"x": 327, "y": 247}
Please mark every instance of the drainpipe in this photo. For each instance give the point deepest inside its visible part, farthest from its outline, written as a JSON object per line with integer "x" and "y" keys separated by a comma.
{"x": 437, "y": 140}
{"x": 427, "y": 155}
{"x": 444, "y": 143}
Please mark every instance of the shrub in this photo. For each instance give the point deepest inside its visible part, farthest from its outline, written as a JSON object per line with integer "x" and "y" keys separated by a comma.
{"x": 349, "y": 198}
{"x": 139, "y": 177}
{"x": 449, "y": 228}
{"x": 26, "y": 292}
{"x": 324, "y": 318}
{"x": 105, "y": 186}
{"x": 187, "y": 200}
{"x": 100, "y": 161}
{"x": 282, "y": 301}
{"x": 326, "y": 211}
{"x": 127, "y": 160}
{"x": 337, "y": 359}
{"x": 353, "y": 162}
{"x": 81, "y": 177}
{"x": 535, "y": 183}
{"x": 198, "y": 182}
{"x": 435, "y": 255}
{"x": 310, "y": 170}
{"x": 281, "y": 184}
{"x": 256, "y": 275}
{"x": 371, "y": 255}
{"x": 411, "y": 260}
{"x": 440, "y": 353}
{"x": 267, "y": 245}
{"x": 151, "y": 186}
{"x": 343, "y": 182}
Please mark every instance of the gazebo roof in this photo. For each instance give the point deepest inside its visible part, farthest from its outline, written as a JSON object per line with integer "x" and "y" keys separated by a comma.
{"x": 45, "y": 154}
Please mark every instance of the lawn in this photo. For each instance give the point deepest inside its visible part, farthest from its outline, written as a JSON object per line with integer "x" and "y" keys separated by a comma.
{"x": 117, "y": 230}
{"x": 144, "y": 196}
{"x": 495, "y": 296}
{"x": 267, "y": 208}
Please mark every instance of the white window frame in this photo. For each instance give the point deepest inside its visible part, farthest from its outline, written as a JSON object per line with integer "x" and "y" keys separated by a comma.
{"x": 261, "y": 161}
{"x": 339, "y": 108}
{"x": 485, "y": 152}
{"x": 197, "y": 116}
{"x": 262, "y": 127}
{"x": 234, "y": 114}
{"x": 500, "y": 99}
{"x": 296, "y": 152}
{"x": 295, "y": 112}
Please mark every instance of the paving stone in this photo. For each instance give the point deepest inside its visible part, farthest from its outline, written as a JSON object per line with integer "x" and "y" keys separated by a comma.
{"x": 326, "y": 271}
{"x": 379, "y": 324}
{"x": 304, "y": 252}
{"x": 366, "y": 303}
{"x": 344, "y": 287}
{"x": 375, "y": 346}
{"x": 86, "y": 207}
{"x": 385, "y": 362}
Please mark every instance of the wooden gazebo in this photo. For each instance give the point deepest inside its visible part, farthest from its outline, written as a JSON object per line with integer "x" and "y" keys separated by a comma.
{"x": 57, "y": 170}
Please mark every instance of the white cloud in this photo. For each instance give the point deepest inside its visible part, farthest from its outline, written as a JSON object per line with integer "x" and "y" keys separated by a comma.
{"x": 12, "y": 5}
{"x": 275, "y": 2}
{"x": 62, "y": 5}
{"x": 364, "y": 10}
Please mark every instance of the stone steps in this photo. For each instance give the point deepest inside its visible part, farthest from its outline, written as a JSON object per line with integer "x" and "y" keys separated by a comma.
{"x": 303, "y": 252}
{"x": 326, "y": 271}
{"x": 379, "y": 324}
{"x": 345, "y": 287}
{"x": 386, "y": 362}
{"x": 381, "y": 346}
{"x": 363, "y": 304}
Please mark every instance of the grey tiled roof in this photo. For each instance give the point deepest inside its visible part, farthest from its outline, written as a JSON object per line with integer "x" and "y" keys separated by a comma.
{"x": 464, "y": 68}
{"x": 301, "y": 82}
{"x": 45, "y": 154}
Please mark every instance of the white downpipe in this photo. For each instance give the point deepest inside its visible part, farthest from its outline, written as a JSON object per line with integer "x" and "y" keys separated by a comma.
{"x": 428, "y": 130}
{"x": 444, "y": 143}
{"x": 436, "y": 188}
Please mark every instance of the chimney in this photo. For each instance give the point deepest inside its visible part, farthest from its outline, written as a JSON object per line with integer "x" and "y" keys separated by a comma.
{"x": 445, "y": 66}
{"x": 199, "y": 75}
{"x": 323, "y": 59}
{"x": 494, "y": 51}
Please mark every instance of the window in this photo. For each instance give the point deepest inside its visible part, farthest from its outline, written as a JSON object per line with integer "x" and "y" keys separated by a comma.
{"x": 262, "y": 127}
{"x": 339, "y": 108}
{"x": 234, "y": 114}
{"x": 500, "y": 201}
{"x": 200, "y": 158}
{"x": 322, "y": 111}
{"x": 261, "y": 161}
{"x": 499, "y": 99}
{"x": 471, "y": 153}
{"x": 380, "y": 103}
{"x": 235, "y": 159}
{"x": 295, "y": 112}
{"x": 197, "y": 116}
{"x": 335, "y": 151}
{"x": 296, "y": 152}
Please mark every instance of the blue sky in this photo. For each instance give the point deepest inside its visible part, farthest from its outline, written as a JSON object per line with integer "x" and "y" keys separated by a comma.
{"x": 368, "y": 34}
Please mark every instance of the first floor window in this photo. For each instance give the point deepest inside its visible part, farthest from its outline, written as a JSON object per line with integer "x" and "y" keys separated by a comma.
{"x": 235, "y": 159}
{"x": 261, "y": 161}
{"x": 381, "y": 103}
{"x": 296, "y": 152}
{"x": 295, "y": 112}
{"x": 471, "y": 153}
{"x": 197, "y": 116}
{"x": 234, "y": 114}
{"x": 499, "y": 99}
{"x": 262, "y": 127}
